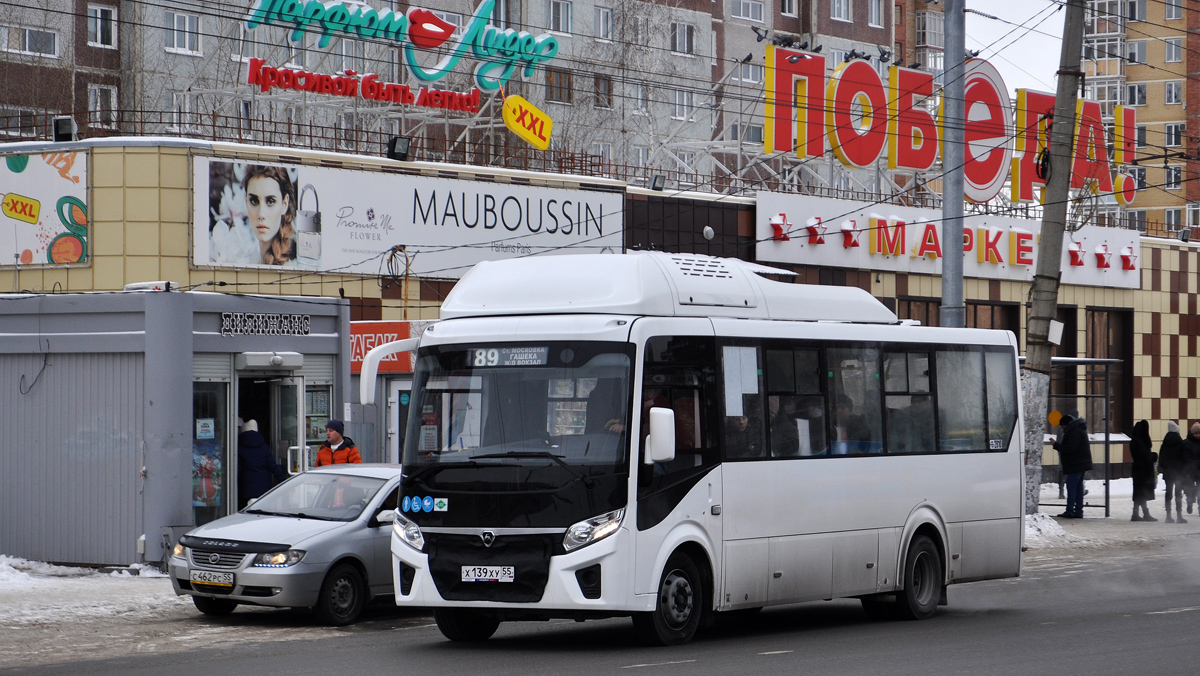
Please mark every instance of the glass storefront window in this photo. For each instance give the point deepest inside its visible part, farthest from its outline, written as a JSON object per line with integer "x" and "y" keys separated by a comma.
{"x": 210, "y": 459}
{"x": 318, "y": 409}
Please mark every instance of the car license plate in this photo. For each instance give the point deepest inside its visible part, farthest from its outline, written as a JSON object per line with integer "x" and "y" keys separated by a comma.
{"x": 211, "y": 577}
{"x": 487, "y": 573}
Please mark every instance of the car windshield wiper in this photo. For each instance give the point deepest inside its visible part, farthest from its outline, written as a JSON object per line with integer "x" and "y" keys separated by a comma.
{"x": 302, "y": 515}
{"x": 587, "y": 481}
{"x": 262, "y": 511}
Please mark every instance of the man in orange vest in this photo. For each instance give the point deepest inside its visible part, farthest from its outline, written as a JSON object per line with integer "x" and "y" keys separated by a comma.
{"x": 337, "y": 449}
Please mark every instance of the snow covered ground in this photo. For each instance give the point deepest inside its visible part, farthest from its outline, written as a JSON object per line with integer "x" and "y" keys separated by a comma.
{"x": 116, "y": 613}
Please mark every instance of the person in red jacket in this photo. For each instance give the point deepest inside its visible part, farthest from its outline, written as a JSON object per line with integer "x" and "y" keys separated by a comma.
{"x": 337, "y": 449}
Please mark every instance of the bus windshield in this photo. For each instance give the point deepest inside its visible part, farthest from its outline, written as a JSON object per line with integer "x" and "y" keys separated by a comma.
{"x": 558, "y": 411}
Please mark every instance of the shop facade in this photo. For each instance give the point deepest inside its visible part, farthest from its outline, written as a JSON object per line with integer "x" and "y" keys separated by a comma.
{"x": 123, "y": 407}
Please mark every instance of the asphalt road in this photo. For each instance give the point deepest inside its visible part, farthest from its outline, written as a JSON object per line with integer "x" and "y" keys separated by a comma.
{"x": 1127, "y": 609}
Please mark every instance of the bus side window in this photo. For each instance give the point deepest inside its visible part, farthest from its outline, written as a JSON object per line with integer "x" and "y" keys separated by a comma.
{"x": 795, "y": 404}
{"x": 856, "y": 426}
{"x": 743, "y": 403}
{"x": 909, "y": 405}
{"x": 962, "y": 422}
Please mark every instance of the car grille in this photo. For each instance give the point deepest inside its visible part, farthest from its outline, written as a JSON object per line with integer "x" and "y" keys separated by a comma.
{"x": 528, "y": 554}
{"x": 216, "y": 559}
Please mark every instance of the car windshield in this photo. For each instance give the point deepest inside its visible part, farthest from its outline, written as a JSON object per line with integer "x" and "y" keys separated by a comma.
{"x": 559, "y": 409}
{"x": 319, "y": 495}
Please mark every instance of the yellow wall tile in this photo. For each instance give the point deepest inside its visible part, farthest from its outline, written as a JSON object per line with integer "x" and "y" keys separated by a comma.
{"x": 174, "y": 269}
{"x": 108, "y": 168}
{"x": 173, "y": 170}
{"x": 173, "y": 240}
{"x": 173, "y": 205}
{"x": 110, "y": 273}
{"x": 141, "y": 239}
{"x": 80, "y": 279}
{"x": 108, "y": 204}
{"x": 141, "y": 204}
{"x": 108, "y": 238}
{"x": 142, "y": 269}
{"x": 141, "y": 170}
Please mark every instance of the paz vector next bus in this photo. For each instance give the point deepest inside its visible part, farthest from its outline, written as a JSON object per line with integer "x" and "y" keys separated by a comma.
{"x": 671, "y": 437}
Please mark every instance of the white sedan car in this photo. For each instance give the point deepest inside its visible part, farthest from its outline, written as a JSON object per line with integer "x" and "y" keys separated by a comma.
{"x": 320, "y": 540}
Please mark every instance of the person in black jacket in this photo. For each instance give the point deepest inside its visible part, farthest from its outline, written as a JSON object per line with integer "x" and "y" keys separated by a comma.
{"x": 1075, "y": 453}
{"x": 256, "y": 464}
{"x": 1144, "y": 479}
{"x": 1170, "y": 462}
{"x": 1189, "y": 469}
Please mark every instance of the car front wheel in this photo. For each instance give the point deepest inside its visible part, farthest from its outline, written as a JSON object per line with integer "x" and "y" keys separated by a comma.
{"x": 343, "y": 596}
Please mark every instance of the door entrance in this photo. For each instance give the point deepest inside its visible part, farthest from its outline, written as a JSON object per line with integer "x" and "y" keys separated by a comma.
{"x": 399, "y": 391}
{"x": 276, "y": 404}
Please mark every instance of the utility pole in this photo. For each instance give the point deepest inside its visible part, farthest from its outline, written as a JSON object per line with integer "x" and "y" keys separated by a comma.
{"x": 953, "y": 312}
{"x": 1044, "y": 290}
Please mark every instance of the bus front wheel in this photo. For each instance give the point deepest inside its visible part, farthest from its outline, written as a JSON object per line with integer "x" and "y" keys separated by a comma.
{"x": 678, "y": 607}
{"x": 466, "y": 624}
{"x": 923, "y": 580}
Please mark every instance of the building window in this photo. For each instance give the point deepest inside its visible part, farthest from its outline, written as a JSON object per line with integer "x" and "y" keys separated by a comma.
{"x": 1174, "y": 134}
{"x": 604, "y": 91}
{"x": 29, "y": 41}
{"x": 183, "y": 33}
{"x": 1141, "y": 136}
{"x": 751, "y": 72}
{"x": 102, "y": 106}
{"x": 1135, "y": 50}
{"x": 750, "y": 10}
{"x": 1136, "y": 10}
{"x": 560, "y": 16}
{"x": 1105, "y": 92}
{"x": 787, "y": 7}
{"x": 1104, "y": 17}
{"x": 687, "y": 161}
{"x": 247, "y": 47}
{"x": 683, "y": 38}
{"x": 1135, "y": 219}
{"x": 1173, "y": 177}
{"x": 1173, "y": 50}
{"x": 297, "y": 56}
{"x": 453, "y": 18}
{"x": 640, "y": 155}
{"x": 931, "y": 31}
{"x": 603, "y": 150}
{"x": 1174, "y": 90}
{"x": 875, "y": 13}
{"x": 1173, "y": 218}
{"x": 1193, "y": 215}
{"x": 18, "y": 122}
{"x": 558, "y": 85}
{"x": 602, "y": 28}
{"x": 1173, "y": 9}
{"x": 1135, "y": 94}
{"x": 353, "y": 55}
{"x": 840, "y": 10}
{"x": 682, "y": 103}
{"x": 750, "y": 133}
{"x": 183, "y": 105}
{"x": 1139, "y": 176}
{"x": 102, "y": 26}
{"x": 245, "y": 114}
{"x": 640, "y": 97}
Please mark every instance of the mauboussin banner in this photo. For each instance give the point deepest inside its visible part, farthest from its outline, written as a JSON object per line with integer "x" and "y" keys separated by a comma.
{"x": 43, "y": 209}
{"x": 342, "y": 220}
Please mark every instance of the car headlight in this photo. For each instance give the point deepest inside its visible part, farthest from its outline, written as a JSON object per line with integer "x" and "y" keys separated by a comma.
{"x": 592, "y": 530}
{"x": 279, "y": 559}
{"x": 408, "y": 532}
{"x": 179, "y": 550}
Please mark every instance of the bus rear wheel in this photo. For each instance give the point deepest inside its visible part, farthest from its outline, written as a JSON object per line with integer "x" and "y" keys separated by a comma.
{"x": 923, "y": 580}
{"x": 678, "y": 607}
{"x": 466, "y": 624}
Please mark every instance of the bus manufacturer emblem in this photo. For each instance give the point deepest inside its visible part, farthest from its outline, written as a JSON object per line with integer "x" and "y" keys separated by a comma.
{"x": 488, "y": 538}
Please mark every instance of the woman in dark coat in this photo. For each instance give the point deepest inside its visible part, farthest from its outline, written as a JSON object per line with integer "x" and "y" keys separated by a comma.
{"x": 1144, "y": 479}
{"x": 256, "y": 464}
{"x": 1170, "y": 462}
{"x": 1075, "y": 453}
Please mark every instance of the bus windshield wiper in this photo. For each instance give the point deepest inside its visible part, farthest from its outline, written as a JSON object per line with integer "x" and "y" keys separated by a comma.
{"x": 587, "y": 481}
{"x": 436, "y": 466}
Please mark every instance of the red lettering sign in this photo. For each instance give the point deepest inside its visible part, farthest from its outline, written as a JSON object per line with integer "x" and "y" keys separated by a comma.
{"x": 367, "y": 335}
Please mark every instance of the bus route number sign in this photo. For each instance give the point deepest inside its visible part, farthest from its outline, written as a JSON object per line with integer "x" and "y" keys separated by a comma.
{"x": 510, "y": 356}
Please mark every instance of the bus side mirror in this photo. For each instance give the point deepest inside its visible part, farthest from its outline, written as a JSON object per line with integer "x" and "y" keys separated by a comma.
{"x": 660, "y": 444}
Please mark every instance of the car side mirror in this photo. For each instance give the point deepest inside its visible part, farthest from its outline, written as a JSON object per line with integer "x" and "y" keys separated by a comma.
{"x": 660, "y": 443}
{"x": 386, "y": 516}
{"x": 251, "y": 501}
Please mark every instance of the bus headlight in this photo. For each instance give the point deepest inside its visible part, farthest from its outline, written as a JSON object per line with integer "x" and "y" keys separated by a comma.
{"x": 408, "y": 532}
{"x": 592, "y": 530}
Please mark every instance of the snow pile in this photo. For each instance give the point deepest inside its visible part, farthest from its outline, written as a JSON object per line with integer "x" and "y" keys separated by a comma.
{"x": 17, "y": 572}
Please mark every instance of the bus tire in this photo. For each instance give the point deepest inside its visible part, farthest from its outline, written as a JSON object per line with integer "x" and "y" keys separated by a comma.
{"x": 466, "y": 624}
{"x": 678, "y": 607}
{"x": 923, "y": 580}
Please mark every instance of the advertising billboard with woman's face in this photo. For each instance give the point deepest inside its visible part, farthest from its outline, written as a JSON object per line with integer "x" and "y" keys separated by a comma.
{"x": 250, "y": 214}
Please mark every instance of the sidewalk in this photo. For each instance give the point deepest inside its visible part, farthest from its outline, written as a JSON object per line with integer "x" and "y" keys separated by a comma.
{"x": 1044, "y": 530}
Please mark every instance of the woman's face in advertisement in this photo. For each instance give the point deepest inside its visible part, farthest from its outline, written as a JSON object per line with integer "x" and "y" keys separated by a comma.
{"x": 267, "y": 205}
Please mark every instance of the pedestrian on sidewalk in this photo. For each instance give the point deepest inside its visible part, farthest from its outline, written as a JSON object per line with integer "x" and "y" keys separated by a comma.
{"x": 1144, "y": 479}
{"x": 1075, "y": 453}
{"x": 257, "y": 469}
{"x": 1189, "y": 469}
{"x": 1170, "y": 463}
{"x": 337, "y": 449}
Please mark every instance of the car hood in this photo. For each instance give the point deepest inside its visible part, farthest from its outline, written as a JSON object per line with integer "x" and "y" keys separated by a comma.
{"x": 288, "y": 530}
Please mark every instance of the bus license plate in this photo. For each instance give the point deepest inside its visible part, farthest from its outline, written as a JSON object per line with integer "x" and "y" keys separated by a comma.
{"x": 210, "y": 577}
{"x": 487, "y": 573}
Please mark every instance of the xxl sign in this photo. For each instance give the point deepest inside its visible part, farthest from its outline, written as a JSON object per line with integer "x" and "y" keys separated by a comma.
{"x": 499, "y": 52}
{"x": 804, "y": 230}
{"x": 856, "y": 116}
{"x": 349, "y": 221}
{"x": 43, "y": 209}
